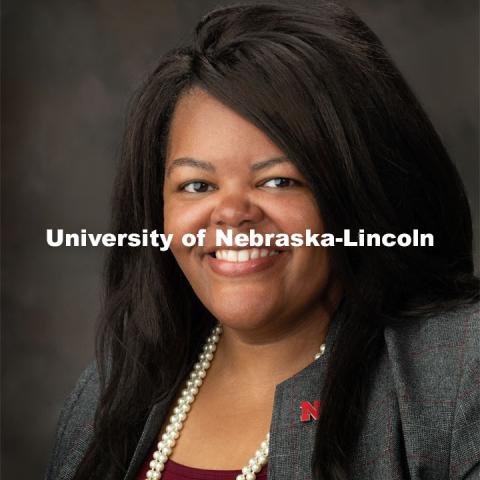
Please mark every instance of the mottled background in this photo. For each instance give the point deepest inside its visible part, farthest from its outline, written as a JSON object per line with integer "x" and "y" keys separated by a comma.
{"x": 68, "y": 69}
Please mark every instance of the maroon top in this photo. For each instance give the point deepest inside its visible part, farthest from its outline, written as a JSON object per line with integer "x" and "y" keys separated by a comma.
{"x": 176, "y": 471}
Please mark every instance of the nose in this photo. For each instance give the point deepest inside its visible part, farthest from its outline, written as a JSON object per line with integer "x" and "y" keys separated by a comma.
{"x": 236, "y": 210}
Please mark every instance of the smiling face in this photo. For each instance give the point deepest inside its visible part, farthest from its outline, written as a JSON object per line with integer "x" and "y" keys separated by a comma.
{"x": 222, "y": 172}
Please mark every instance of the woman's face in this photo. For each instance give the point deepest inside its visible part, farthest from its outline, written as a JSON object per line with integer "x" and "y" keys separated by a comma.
{"x": 223, "y": 173}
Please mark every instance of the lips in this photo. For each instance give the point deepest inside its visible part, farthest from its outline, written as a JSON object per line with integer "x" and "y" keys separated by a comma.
{"x": 232, "y": 263}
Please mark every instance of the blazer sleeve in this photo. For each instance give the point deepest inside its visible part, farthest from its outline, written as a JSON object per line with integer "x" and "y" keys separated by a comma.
{"x": 75, "y": 427}
{"x": 465, "y": 444}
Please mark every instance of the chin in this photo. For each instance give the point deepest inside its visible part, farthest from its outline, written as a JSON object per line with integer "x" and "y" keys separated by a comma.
{"x": 242, "y": 315}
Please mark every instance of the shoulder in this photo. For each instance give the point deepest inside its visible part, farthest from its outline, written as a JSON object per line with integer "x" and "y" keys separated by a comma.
{"x": 75, "y": 425}
{"x": 444, "y": 342}
{"x": 434, "y": 366}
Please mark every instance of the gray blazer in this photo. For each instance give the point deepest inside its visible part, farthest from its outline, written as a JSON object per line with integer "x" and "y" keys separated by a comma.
{"x": 422, "y": 423}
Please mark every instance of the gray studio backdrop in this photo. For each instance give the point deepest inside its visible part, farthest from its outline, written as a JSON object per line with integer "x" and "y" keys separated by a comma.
{"x": 68, "y": 69}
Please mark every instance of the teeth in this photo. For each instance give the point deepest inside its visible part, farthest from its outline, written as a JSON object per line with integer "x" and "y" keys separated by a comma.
{"x": 244, "y": 255}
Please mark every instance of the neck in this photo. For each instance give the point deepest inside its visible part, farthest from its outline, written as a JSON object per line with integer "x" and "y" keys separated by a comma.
{"x": 267, "y": 355}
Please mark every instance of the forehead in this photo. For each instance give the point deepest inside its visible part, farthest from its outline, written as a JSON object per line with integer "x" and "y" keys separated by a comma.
{"x": 203, "y": 127}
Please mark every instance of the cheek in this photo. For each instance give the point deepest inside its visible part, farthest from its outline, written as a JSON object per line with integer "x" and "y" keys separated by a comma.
{"x": 180, "y": 218}
{"x": 296, "y": 214}
{"x": 312, "y": 263}
{"x": 183, "y": 217}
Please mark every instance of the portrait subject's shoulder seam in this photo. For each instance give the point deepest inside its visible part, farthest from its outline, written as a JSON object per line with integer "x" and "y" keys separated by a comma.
{"x": 427, "y": 357}
{"x": 458, "y": 328}
{"x": 87, "y": 381}
{"x": 79, "y": 401}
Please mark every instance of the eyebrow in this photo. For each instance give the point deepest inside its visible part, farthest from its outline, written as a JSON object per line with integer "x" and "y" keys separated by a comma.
{"x": 209, "y": 167}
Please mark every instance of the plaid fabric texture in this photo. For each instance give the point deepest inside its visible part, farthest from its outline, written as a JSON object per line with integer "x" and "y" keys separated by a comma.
{"x": 422, "y": 423}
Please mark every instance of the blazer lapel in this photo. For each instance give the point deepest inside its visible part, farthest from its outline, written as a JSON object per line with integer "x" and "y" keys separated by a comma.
{"x": 150, "y": 433}
{"x": 296, "y": 408}
{"x": 151, "y": 430}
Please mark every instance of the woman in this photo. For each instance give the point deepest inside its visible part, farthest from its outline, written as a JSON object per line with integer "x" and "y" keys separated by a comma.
{"x": 358, "y": 362}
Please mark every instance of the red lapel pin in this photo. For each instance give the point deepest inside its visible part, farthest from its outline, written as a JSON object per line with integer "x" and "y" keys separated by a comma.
{"x": 310, "y": 411}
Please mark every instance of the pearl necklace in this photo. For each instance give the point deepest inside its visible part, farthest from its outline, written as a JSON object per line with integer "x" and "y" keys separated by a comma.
{"x": 172, "y": 432}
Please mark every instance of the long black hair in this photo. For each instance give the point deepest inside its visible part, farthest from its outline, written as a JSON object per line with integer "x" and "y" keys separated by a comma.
{"x": 320, "y": 84}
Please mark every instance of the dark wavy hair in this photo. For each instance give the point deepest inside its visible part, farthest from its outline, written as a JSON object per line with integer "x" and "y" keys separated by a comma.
{"x": 320, "y": 84}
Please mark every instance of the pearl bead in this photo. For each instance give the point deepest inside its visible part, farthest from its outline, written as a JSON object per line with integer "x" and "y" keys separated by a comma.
{"x": 178, "y": 426}
{"x": 166, "y": 451}
{"x": 182, "y": 416}
{"x": 193, "y": 390}
{"x": 172, "y": 431}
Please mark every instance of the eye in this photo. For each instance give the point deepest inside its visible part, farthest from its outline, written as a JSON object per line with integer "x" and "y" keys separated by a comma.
{"x": 280, "y": 182}
{"x": 196, "y": 187}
